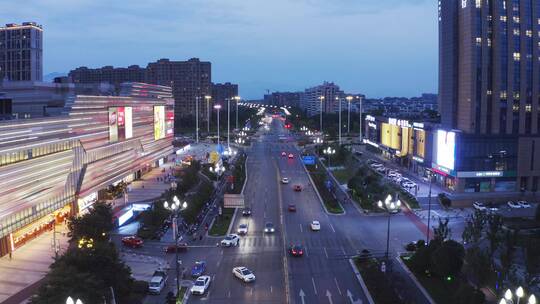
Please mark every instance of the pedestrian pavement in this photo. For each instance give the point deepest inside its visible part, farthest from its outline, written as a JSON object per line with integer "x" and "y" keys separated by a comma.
{"x": 22, "y": 274}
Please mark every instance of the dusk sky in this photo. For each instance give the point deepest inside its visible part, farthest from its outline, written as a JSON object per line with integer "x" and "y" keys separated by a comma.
{"x": 376, "y": 47}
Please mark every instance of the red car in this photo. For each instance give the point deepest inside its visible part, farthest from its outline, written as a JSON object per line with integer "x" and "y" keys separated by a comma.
{"x": 132, "y": 241}
{"x": 292, "y": 208}
{"x": 296, "y": 250}
{"x": 291, "y": 155}
{"x": 182, "y": 247}
{"x": 283, "y": 153}
{"x": 297, "y": 188}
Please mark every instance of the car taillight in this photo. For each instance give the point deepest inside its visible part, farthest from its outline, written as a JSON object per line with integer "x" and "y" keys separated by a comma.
{"x": 300, "y": 252}
{"x": 294, "y": 251}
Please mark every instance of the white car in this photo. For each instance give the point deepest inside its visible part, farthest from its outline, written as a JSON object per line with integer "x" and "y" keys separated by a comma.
{"x": 156, "y": 285}
{"x": 230, "y": 240}
{"x": 408, "y": 184}
{"x": 375, "y": 165}
{"x": 380, "y": 169}
{"x": 242, "y": 229}
{"x": 513, "y": 205}
{"x": 285, "y": 180}
{"x": 524, "y": 204}
{"x": 393, "y": 174}
{"x": 315, "y": 226}
{"x": 243, "y": 274}
{"x": 479, "y": 206}
{"x": 201, "y": 285}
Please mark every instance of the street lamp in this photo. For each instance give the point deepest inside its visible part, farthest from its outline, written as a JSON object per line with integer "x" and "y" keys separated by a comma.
{"x": 509, "y": 297}
{"x": 321, "y": 99}
{"x": 360, "y": 116}
{"x": 71, "y": 301}
{"x": 349, "y": 99}
{"x": 329, "y": 151}
{"x": 339, "y": 109}
{"x": 207, "y": 98}
{"x": 197, "y": 118}
{"x": 218, "y": 108}
{"x": 176, "y": 207}
{"x": 217, "y": 170}
{"x": 430, "y": 176}
{"x": 240, "y": 141}
{"x": 237, "y": 98}
{"x": 390, "y": 207}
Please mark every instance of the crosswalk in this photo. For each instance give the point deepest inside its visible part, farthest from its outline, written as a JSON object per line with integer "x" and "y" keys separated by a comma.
{"x": 275, "y": 240}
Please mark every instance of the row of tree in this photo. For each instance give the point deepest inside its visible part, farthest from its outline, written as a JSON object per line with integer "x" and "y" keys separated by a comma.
{"x": 90, "y": 269}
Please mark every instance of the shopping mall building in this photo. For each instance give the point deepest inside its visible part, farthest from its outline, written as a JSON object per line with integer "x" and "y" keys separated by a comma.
{"x": 56, "y": 166}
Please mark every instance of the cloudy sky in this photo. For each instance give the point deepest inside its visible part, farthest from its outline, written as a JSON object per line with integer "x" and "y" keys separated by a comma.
{"x": 376, "y": 47}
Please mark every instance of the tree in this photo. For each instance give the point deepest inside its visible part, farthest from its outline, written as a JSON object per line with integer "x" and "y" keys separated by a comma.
{"x": 467, "y": 294}
{"x": 538, "y": 212}
{"x": 95, "y": 225}
{"x": 447, "y": 260}
{"x": 493, "y": 233}
{"x": 442, "y": 232}
{"x": 474, "y": 227}
{"x": 507, "y": 256}
{"x": 479, "y": 263}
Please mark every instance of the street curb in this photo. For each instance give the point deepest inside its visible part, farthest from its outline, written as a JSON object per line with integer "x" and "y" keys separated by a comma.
{"x": 186, "y": 296}
{"x": 413, "y": 277}
{"x": 246, "y": 174}
{"x": 232, "y": 221}
{"x": 361, "y": 281}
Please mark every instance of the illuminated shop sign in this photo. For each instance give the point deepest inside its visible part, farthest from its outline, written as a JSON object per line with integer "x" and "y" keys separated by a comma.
{"x": 128, "y": 116}
{"x": 169, "y": 117}
{"x": 120, "y": 123}
{"x": 372, "y": 125}
{"x": 418, "y": 159}
{"x": 122, "y": 219}
{"x": 87, "y": 201}
{"x": 399, "y": 122}
{"x": 159, "y": 122}
{"x": 446, "y": 148}
{"x": 418, "y": 125}
{"x": 370, "y": 118}
{"x": 486, "y": 174}
{"x": 441, "y": 170}
{"x": 369, "y": 142}
{"x": 113, "y": 124}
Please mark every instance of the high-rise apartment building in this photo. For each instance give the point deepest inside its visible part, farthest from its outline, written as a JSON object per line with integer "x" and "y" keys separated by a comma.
{"x": 283, "y": 99}
{"x": 110, "y": 74}
{"x": 221, "y": 92}
{"x": 489, "y": 93}
{"x": 311, "y": 99}
{"x": 21, "y": 52}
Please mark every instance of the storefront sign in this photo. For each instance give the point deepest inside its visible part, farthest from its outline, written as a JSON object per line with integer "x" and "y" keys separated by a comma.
{"x": 122, "y": 219}
{"x": 418, "y": 159}
{"x": 418, "y": 125}
{"x": 399, "y": 122}
{"x": 485, "y": 174}
{"x": 442, "y": 170}
{"x": 370, "y": 118}
{"x": 372, "y": 125}
{"x": 87, "y": 201}
{"x": 369, "y": 142}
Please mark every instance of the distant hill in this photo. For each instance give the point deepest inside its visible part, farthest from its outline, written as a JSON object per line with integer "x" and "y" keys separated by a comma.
{"x": 50, "y": 77}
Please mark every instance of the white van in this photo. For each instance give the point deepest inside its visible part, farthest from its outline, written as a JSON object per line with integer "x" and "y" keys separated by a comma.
{"x": 156, "y": 285}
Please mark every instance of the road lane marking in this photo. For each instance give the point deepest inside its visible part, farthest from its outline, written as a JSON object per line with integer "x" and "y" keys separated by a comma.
{"x": 314, "y": 287}
{"x": 343, "y": 250}
{"x": 282, "y": 222}
{"x": 325, "y": 252}
{"x": 332, "y": 228}
{"x": 301, "y": 230}
{"x": 271, "y": 289}
{"x": 251, "y": 291}
{"x": 337, "y": 285}
{"x": 229, "y": 295}
{"x": 305, "y": 250}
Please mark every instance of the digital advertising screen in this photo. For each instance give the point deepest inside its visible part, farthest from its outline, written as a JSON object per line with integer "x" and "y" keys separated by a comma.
{"x": 446, "y": 149}
{"x": 170, "y": 123}
{"x": 121, "y": 123}
{"x": 159, "y": 122}
{"x": 113, "y": 124}
{"x": 128, "y": 116}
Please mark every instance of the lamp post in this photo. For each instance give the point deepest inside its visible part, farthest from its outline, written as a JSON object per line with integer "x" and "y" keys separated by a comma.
{"x": 176, "y": 207}
{"x": 339, "y": 122}
{"x": 237, "y": 99}
{"x": 321, "y": 99}
{"x": 228, "y": 123}
{"x": 197, "y": 118}
{"x": 71, "y": 301}
{"x": 430, "y": 176}
{"x": 217, "y": 107}
{"x": 317, "y": 141}
{"x": 217, "y": 170}
{"x": 519, "y": 293}
{"x": 360, "y": 116}
{"x": 329, "y": 151}
{"x": 349, "y": 99}
{"x": 390, "y": 207}
{"x": 207, "y": 98}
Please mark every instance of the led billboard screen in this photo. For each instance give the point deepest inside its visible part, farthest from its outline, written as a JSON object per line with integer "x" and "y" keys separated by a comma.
{"x": 113, "y": 124}
{"x": 128, "y": 115}
{"x": 446, "y": 149}
{"x": 159, "y": 122}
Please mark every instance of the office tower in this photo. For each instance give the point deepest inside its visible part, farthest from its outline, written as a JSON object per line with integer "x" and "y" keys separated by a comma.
{"x": 223, "y": 91}
{"x": 21, "y": 52}
{"x": 489, "y": 91}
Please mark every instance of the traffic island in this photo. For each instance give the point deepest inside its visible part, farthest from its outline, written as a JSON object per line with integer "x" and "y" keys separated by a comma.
{"x": 319, "y": 178}
{"x": 221, "y": 223}
{"x": 376, "y": 281}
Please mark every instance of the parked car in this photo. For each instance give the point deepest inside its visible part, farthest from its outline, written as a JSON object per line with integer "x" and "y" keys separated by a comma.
{"x": 491, "y": 207}
{"x": 380, "y": 169}
{"x": 292, "y": 208}
{"x": 513, "y": 205}
{"x": 156, "y": 285}
{"x": 230, "y": 240}
{"x": 285, "y": 180}
{"x": 408, "y": 185}
{"x": 181, "y": 247}
{"x": 479, "y": 206}
{"x": 198, "y": 269}
{"x": 524, "y": 204}
{"x": 297, "y": 188}
{"x": 291, "y": 155}
{"x": 392, "y": 174}
{"x": 244, "y": 274}
{"x": 242, "y": 229}
{"x": 246, "y": 212}
{"x": 201, "y": 285}
{"x": 315, "y": 225}
{"x": 132, "y": 241}
{"x": 296, "y": 250}
{"x": 269, "y": 228}
{"x": 375, "y": 165}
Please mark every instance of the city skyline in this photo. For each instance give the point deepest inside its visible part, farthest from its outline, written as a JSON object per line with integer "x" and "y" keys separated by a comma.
{"x": 286, "y": 54}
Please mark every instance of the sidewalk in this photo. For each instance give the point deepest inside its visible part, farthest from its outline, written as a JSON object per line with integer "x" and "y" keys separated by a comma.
{"x": 21, "y": 276}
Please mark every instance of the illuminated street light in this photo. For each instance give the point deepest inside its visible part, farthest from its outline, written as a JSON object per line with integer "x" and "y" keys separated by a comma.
{"x": 349, "y": 99}
{"x": 207, "y": 98}
{"x": 321, "y": 99}
{"x": 176, "y": 207}
{"x": 390, "y": 207}
{"x": 71, "y": 301}
{"x": 329, "y": 151}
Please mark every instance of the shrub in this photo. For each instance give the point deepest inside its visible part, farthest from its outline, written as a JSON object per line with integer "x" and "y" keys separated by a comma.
{"x": 467, "y": 294}
{"x": 410, "y": 246}
{"x": 445, "y": 201}
{"x": 447, "y": 260}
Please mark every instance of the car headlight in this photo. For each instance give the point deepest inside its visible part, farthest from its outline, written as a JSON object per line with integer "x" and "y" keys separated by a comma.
{"x": 272, "y": 229}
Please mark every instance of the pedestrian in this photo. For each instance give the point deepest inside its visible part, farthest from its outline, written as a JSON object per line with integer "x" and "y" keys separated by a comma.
{"x": 200, "y": 237}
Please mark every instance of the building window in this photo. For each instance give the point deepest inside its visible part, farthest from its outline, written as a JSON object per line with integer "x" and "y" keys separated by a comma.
{"x": 517, "y": 56}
